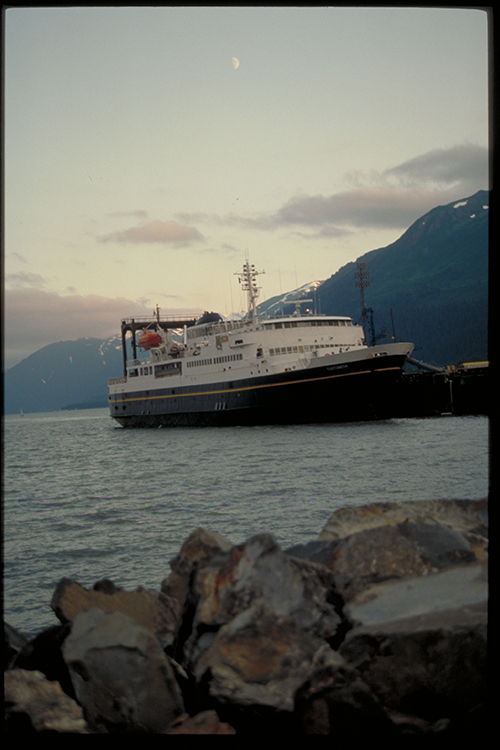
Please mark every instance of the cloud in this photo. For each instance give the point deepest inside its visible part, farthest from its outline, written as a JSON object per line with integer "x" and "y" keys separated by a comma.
{"x": 25, "y": 278}
{"x": 325, "y": 232}
{"x": 156, "y": 231}
{"x": 374, "y": 206}
{"x": 260, "y": 221}
{"x": 371, "y": 207}
{"x": 392, "y": 199}
{"x": 395, "y": 198}
{"x": 34, "y": 318}
{"x": 457, "y": 165}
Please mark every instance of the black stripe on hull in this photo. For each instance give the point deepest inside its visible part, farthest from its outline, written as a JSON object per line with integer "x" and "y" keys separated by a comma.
{"x": 357, "y": 391}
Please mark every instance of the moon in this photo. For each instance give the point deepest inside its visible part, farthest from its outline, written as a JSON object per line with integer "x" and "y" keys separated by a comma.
{"x": 236, "y": 62}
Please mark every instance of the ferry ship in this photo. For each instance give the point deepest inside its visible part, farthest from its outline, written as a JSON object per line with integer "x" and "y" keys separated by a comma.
{"x": 294, "y": 369}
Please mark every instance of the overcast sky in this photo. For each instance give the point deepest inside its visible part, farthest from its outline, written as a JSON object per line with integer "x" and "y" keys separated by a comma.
{"x": 149, "y": 150}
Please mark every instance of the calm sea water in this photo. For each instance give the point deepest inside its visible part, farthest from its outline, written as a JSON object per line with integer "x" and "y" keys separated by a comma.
{"x": 86, "y": 499}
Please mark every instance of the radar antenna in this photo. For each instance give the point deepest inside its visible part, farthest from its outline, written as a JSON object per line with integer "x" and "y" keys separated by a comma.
{"x": 297, "y": 303}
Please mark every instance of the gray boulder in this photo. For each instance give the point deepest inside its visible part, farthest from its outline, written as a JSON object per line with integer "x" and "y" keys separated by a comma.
{"x": 261, "y": 625}
{"x": 368, "y": 544}
{"x": 150, "y": 609}
{"x": 336, "y": 701}
{"x": 176, "y": 588}
{"x": 469, "y": 517}
{"x": 420, "y": 643}
{"x": 121, "y": 675}
{"x": 34, "y": 704}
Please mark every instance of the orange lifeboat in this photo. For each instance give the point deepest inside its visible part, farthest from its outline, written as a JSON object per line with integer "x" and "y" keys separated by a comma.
{"x": 148, "y": 339}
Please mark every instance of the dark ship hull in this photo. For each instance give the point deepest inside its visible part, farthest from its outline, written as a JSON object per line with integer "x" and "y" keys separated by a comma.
{"x": 361, "y": 389}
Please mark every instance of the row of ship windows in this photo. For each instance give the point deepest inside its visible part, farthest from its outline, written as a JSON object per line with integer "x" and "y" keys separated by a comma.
{"x": 308, "y": 323}
{"x": 300, "y": 349}
{"x": 215, "y": 360}
{"x": 172, "y": 368}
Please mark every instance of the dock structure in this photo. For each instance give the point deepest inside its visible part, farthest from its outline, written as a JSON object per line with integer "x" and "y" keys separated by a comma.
{"x": 458, "y": 391}
{"x": 133, "y": 325}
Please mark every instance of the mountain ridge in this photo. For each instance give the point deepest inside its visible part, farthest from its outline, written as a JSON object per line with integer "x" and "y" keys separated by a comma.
{"x": 432, "y": 281}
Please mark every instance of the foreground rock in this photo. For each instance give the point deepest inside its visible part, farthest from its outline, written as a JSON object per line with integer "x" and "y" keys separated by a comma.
{"x": 469, "y": 517}
{"x": 261, "y": 624}
{"x": 148, "y": 608}
{"x": 420, "y": 644}
{"x": 363, "y": 545}
{"x": 34, "y": 704}
{"x": 121, "y": 675}
{"x": 377, "y": 628}
{"x": 176, "y": 589}
{"x": 336, "y": 701}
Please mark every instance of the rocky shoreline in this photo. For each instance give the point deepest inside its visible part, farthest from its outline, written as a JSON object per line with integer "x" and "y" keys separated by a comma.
{"x": 377, "y": 626}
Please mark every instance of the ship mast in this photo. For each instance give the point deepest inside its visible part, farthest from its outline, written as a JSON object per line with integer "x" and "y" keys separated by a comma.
{"x": 362, "y": 281}
{"x": 248, "y": 281}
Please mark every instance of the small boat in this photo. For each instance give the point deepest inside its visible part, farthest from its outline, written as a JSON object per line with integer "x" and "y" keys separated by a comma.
{"x": 149, "y": 339}
{"x": 293, "y": 369}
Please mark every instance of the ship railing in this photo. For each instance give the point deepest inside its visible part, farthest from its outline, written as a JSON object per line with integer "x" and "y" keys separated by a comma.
{"x": 224, "y": 326}
{"x": 151, "y": 319}
{"x": 117, "y": 381}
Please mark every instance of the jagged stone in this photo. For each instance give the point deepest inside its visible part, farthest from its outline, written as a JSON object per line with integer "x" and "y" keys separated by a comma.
{"x": 335, "y": 701}
{"x": 122, "y": 677}
{"x": 420, "y": 643}
{"x": 150, "y": 609}
{"x": 468, "y": 517}
{"x": 260, "y": 660}
{"x": 262, "y": 621}
{"x": 200, "y": 546}
{"x": 412, "y": 543}
{"x": 258, "y": 575}
{"x": 460, "y": 592}
{"x": 35, "y": 704}
{"x": 106, "y": 586}
{"x": 206, "y": 722}
{"x": 197, "y": 550}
